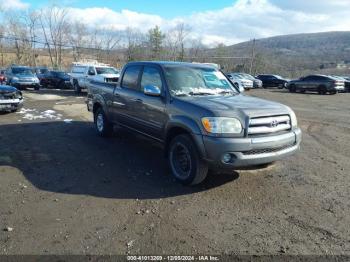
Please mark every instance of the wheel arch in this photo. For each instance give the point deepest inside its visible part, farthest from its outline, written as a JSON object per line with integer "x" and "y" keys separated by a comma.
{"x": 181, "y": 127}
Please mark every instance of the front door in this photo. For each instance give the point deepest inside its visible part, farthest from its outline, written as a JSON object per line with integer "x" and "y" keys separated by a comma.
{"x": 150, "y": 111}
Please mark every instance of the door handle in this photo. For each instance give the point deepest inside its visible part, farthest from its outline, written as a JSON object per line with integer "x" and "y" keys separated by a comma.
{"x": 138, "y": 100}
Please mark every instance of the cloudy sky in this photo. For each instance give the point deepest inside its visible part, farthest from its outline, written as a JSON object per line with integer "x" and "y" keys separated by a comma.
{"x": 212, "y": 21}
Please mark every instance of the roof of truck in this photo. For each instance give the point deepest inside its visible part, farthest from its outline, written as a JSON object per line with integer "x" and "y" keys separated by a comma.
{"x": 170, "y": 63}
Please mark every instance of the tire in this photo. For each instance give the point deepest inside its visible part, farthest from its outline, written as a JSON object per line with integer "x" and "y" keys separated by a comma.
{"x": 103, "y": 127}
{"x": 333, "y": 92}
{"x": 292, "y": 88}
{"x": 37, "y": 87}
{"x": 322, "y": 90}
{"x": 61, "y": 85}
{"x": 77, "y": 88}
{"x": 185, "y": 163}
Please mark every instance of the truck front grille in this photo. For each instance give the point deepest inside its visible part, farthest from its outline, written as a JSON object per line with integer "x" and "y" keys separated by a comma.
{"x": 7, "y": 96}
{"x": 112, "y": 80}
{"x": 269, "y": 125}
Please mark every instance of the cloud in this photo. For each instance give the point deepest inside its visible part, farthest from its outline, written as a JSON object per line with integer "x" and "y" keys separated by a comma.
{"x": 106, "y": 18}
{"x": 13, "y": 5}
{"x": 243, "y": 20}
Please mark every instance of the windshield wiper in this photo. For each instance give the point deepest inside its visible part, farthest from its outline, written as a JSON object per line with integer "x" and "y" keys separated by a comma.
{"x": 227, "y": 92}
{"x": 200, "y": 93}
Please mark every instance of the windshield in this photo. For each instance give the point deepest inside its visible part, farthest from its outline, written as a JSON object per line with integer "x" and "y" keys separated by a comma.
{"x": 247, "y": 76}
{"x": 22, "y": 71}
{"x": 42, "y": 71}
{"x": 62, "y": 74}
{"x": 197, "y": 81}
{"x": 106, "y": 70}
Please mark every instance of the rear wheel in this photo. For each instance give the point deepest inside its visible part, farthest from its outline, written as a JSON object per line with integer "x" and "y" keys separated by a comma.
{"x": 184, "y": 160}
{"x": 103, "y": 127}
{"x": 322, "y": 90}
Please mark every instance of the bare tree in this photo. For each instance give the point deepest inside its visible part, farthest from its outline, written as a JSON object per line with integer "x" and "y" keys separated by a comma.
{"x": 16, "y": 31}
{"x": 55, "y": 28}
{"x": 31, "y": 20}
{"x": 78, "y": 38}
{"x": 134, "y": 41}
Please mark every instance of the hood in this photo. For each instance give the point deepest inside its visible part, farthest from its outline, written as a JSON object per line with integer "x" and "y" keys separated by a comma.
{"x": 239, "y": 105}
{"x": 25, "y": 76}
{"x": 7, "y": 89}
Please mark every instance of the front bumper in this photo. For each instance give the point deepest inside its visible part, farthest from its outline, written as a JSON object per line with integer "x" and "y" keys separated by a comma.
{"x": 10, "y": 104}
{"x": 24, "y": 84}
{"x": 250, "y": 151}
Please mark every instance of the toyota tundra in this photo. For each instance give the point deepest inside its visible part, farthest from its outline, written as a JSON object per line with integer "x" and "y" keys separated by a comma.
{"x": 197, "y": 114}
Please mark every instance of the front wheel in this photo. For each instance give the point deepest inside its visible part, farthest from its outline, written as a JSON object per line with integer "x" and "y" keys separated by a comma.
{"x": 292, "y": 88}
{"x": 103, "y": 127}
{"x": 185, "y": 163}
{"x": 36, "y": 87}
{"x": 77, "y": 87}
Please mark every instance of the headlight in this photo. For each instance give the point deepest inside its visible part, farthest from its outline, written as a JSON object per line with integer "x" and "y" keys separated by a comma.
{"x": 15, "y": 79}
{"x": 19, "y": 95}
{"x": 222, "y": 125}
{"x": 294, "y": 120}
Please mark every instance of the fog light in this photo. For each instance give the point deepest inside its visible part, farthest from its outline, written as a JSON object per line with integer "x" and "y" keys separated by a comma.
{"x": 226, "y": 158}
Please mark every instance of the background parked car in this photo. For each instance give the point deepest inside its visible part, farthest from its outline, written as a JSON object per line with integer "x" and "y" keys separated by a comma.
{"x": 83, "y": 72}
{"x": 273, "y": 81}
{"x": 2, "y": 76}
{"x": 10, "y": 98}
{"x": 239, "y": 80}
{"x": 56, "y": 79}
{"x": 22, "y": 77}
{"x": 320, "y": 83}
{"x": 257, "y": 83}
{"x": 40, "y": 71}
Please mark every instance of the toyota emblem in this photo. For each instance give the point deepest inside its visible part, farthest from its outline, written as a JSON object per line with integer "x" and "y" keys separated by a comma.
{"x": 274, "y": 123}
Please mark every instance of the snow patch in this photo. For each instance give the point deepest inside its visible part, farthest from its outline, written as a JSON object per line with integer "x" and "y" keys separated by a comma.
{"x": 33, "y": 114}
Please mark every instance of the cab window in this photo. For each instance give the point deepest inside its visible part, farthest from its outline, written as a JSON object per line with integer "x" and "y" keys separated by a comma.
{"x": 151, "y": 76}
{"x": 130, "y": 78}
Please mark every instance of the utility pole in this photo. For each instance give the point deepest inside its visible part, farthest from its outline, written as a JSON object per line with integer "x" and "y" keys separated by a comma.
{"x": 252, "y": 57}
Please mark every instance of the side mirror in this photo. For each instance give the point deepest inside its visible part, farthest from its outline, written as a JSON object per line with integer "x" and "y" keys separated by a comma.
{"x": 151, "y": 90}
{"x": 91, "y": 73}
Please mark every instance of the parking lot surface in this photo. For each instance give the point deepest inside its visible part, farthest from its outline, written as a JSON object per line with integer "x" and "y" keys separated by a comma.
{"x": 64, "y": 190}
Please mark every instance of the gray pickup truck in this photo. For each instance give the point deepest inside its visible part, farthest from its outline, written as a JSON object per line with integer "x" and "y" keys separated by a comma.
{"x": 197, "y": 114}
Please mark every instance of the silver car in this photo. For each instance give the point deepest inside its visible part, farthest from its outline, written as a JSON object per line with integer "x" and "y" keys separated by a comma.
{"x": 238, "y": 79}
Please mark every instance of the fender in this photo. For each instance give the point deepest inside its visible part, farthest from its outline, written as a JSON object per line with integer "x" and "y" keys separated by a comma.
{"x": 100, "y": 100}
{"x": 190, "y": 126}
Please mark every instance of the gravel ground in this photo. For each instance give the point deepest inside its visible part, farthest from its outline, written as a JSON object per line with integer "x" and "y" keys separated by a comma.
{"x": 63, "y": 190}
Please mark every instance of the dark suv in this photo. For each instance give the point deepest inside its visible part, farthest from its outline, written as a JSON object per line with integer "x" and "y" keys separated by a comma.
{"x": 273, "y": 81}
{"x": 56, "y": 79}
{"x": 319, "y": 83}
{"x": 199, "y": 117}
